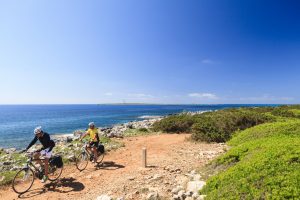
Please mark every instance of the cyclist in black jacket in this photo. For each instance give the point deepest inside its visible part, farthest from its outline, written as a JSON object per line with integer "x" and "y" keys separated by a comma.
{"x": 46, "y": 150}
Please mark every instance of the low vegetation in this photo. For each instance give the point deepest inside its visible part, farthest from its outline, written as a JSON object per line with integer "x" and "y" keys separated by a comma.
{"x": 263, "y": 163}
{"x": 264, "y": 159}
{"x": 214, "y": 126}
{"x": 137, "y": 132}
{"x": 175, "y": 124}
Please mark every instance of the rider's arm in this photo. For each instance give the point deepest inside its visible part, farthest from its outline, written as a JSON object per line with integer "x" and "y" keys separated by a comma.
{"x": 52, "y": 145}
{"x": 32, "y": 142}
{"x": 97, "y": 137}
{"x": 85, "y": 134}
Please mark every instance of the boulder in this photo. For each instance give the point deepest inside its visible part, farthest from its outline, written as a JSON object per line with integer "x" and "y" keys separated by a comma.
{"x": 10, "y": 150}
{"x": 195, "y": 195}
{"x": 131, "y": 178}
{"x": 195, "y": 186}
{"x": 189, "y": 193}
{"x": 153, "y": 196}
{"x": 201, "y": 197}
{"x": 197, "y": 177}
{"x": 189, "y": 198}
{"x": 7, "y": 163}
{"x": 157, "y": 177}
{"x": 181, "y": 194}
{"x": 177, "y": 189}
{"x": 175, "y": 197}
{"x": 104, "y": 197}
{"x": 69, "y": 139}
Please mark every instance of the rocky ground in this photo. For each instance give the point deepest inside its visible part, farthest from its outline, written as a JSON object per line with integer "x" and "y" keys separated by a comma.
{"x": 171, "y": 172}
{"x": 119, "y": 129}
{"x": 11, "y": 159}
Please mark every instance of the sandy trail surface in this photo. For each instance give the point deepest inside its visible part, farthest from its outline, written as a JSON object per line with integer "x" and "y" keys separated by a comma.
{"x": 169, "y": 157}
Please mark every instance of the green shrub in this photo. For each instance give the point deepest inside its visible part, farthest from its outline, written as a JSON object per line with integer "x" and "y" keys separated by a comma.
{"x": 296, "y": 112}
{"x": 143, "y": 130}
{"x": 175, "y": 124}
{"x": 7, "y": 177}
{"x": 282, "y": 112}
{"x": 264, "y": 163}
{"x": 219, "y": 126}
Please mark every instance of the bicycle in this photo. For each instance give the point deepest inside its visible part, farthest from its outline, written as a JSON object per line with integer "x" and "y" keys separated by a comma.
{"x": 83, "y": 157}
{"x": 24, "y": 178}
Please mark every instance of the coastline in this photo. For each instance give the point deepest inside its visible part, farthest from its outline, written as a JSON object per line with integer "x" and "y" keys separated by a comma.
{"x": 116, "y": 130}
{"x": 16, "y": 131}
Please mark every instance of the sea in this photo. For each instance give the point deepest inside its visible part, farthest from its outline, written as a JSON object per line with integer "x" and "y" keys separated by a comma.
{"x": 17, "y": 122}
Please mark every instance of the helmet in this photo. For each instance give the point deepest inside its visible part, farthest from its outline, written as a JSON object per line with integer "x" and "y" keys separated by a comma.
{"x": 38, "y": 130}
{"x": 91, "y": 124}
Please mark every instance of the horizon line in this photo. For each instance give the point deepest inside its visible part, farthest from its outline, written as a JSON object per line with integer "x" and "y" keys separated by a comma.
{"x": 148, "y": 104}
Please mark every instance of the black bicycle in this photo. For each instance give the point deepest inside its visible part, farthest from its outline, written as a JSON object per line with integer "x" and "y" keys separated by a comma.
{"x": 24, "y": 178}
{"x": 84, "y": 156}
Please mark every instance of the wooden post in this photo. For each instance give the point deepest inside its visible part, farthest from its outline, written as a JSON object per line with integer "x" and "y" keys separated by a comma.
{"x": 144, "y": 157}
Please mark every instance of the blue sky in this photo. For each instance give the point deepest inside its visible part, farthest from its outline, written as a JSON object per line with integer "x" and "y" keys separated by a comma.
{"x": 170, "y": 51}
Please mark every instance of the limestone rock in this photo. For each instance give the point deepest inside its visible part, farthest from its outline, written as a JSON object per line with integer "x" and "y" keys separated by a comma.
{"x": 195, "y": 186}
{"x": 177, "y": 189}
{"x": 104, "y": 197}
{"x": 153, "y": 196}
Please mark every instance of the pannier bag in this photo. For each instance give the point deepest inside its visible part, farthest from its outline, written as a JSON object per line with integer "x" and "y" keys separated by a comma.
{"x": 56, "y": 161}
{"x": 101, "y": 148}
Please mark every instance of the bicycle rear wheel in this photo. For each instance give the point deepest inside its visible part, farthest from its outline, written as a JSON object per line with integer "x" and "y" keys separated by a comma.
{"x": 81, "y": 161}
{"x": 23, "y": 180}
{"x": 100, "y": 158}
{"x": 54, "y": 172}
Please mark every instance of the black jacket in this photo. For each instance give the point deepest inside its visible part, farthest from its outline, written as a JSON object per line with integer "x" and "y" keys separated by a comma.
{"x": 45, "y": 141}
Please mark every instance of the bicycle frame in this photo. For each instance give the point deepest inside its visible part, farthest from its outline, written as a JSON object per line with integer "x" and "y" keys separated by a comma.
{"x": 30, "y": 164}
{"x": 85, "y": 149}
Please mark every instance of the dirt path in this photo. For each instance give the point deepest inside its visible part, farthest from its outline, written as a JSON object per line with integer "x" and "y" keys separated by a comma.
{"x": 169, "y": 158}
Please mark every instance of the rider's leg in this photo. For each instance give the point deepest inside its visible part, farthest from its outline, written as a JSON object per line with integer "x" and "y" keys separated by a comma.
{"x": 36, "y": 156}
{"x": 95, "y": 154}
{"x": 46, "y": 161}
{"x": 89, "y": 149}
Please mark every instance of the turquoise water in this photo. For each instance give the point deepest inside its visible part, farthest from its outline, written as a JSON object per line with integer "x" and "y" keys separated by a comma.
{"x": 18, "y": 121}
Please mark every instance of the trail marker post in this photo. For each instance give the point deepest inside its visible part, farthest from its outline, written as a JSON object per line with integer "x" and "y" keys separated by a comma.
{"x": 144, "y": 157}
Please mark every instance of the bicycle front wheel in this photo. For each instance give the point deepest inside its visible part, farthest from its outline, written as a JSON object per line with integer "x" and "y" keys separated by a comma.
{"x": 54, "y": 172}
{"x": 23, "y": 180}
{"x": 81, "y": 161}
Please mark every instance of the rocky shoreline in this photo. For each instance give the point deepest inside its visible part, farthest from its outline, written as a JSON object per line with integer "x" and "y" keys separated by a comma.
{"x": 119, "y": 129}
{"x": 11, "y": 159}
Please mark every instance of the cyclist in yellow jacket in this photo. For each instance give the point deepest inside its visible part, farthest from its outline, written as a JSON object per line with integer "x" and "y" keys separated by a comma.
{"x": 94, "y": 139}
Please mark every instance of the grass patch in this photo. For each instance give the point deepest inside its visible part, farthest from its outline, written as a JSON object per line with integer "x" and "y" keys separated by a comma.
{"x": 7, "y": 177}
{"x": 138, "y": 132}
{"x": 285, "y": 128}
{"x": 264, "y": 163}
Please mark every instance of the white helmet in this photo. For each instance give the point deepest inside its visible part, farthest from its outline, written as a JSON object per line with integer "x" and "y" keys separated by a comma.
{"x": 91, "y": 124}
{"x": 38, "y": 130}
